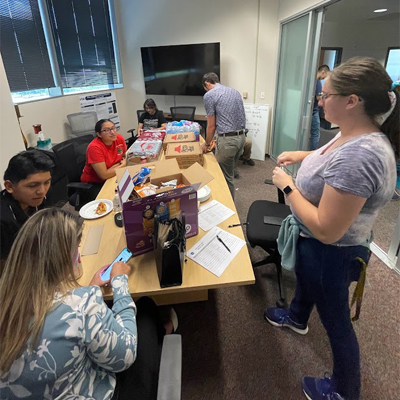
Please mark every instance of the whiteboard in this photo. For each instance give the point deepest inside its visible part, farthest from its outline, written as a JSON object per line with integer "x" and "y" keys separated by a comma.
{"x": 257, "y": 124}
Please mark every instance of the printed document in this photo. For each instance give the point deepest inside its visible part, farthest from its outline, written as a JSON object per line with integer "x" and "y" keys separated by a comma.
{"x": 216, "y": 250}
{"x": 212, "y": 214}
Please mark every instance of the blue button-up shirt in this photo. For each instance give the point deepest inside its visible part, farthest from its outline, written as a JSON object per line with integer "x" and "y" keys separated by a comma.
{"x": 227, "y": 106}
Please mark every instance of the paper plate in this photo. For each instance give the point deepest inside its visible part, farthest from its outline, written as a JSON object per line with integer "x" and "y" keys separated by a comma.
{"x": 88, "y": 211}
{"x": 203, "y": 194}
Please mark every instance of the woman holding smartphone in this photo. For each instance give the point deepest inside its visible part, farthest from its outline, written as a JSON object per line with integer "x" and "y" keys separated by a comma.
{"x": 60, "y": 340}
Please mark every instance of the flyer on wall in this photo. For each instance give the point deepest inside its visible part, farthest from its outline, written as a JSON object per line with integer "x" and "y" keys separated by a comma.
{"x": 104, "y": 104}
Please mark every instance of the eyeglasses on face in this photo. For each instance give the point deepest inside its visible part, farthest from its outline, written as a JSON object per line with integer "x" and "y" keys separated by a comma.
{"x": 108, "y": 130}
{"x": 324, "y": 95}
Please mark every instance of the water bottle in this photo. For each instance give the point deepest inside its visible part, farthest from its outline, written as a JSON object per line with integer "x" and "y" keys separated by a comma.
{"x": 116, "y": 202}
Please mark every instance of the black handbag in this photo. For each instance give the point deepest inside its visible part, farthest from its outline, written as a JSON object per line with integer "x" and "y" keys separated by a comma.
{"x": 170, "y": 247}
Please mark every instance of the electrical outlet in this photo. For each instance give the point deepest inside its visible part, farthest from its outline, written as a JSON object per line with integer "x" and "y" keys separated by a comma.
{"x": 262, "y": 95}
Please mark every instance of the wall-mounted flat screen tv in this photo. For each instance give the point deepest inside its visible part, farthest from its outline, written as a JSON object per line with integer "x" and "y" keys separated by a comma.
{"x": 178, "y": 70}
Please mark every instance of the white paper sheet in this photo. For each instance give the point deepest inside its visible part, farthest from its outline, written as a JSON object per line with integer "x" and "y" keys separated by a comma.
{"x": 211, "y": 254}
{"x": 212, "y": 214}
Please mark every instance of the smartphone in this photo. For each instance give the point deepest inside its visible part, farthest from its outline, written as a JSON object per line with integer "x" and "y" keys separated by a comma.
{"x": 124, "y": 256}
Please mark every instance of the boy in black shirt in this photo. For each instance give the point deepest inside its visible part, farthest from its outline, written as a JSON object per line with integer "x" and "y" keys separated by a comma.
{"x": 152, "y": 118}
{"x": 26, "y": 181}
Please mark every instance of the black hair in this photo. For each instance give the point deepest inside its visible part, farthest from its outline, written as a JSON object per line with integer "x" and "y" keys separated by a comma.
{"x": 210, "y": 77}
{"x": 324, "y": 67}
{"x": 150, "y": 103}
{"x": 99, "y": 124}
{"x": 27, "y": 163}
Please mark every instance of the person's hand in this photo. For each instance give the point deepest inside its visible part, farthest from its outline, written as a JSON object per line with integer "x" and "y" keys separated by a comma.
{"x": 281, "y": 179}
{"x": 289, "y": 158}
{"x": 122, "y": 163}
{"x": 96, "y": 280}
{"x": 204, "y": 147}
{"x": 120, "y": 268}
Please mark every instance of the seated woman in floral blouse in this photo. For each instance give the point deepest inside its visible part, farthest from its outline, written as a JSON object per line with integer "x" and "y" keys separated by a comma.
{"x": 59, "y": 340}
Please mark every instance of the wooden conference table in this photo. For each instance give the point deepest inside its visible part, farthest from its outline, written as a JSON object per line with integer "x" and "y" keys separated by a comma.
{"x": 143, "y": 280}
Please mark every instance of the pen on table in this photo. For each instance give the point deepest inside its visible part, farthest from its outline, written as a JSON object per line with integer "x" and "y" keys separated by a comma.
{"x": 233, "y": 225}
{"x": 220, "y": 240}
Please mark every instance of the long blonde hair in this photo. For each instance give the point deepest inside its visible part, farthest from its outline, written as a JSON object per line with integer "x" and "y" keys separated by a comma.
{"x": 41, "y": 263}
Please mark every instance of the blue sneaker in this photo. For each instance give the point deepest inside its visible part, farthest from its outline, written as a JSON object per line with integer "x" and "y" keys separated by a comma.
{"x": 280, "y": 317}
{"x": 319, "y": 388}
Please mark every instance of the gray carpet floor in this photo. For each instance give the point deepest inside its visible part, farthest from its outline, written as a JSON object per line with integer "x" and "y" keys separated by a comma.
{"x": 231, "y": 352}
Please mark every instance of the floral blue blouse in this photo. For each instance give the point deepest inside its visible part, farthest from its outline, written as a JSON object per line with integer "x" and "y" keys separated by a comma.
{"x": 82, "y": 345}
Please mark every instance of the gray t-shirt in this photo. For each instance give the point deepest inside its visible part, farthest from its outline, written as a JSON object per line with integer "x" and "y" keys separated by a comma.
{"x": 227, "y": 106}
{"x": 364, "y": 166}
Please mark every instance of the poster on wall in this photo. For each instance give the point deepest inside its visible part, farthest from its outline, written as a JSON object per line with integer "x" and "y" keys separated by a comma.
{"x": 104, "y": 104}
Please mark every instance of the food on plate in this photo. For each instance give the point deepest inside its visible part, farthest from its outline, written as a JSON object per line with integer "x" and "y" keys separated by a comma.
{"x": 101, "y": 208}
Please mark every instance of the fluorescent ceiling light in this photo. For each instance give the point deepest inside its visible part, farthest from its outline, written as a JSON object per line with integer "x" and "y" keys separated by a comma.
{"x": 380, "y": 10}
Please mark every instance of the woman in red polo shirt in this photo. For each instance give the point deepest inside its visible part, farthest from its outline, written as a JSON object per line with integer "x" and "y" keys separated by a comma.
{"x": 104, "y": 154}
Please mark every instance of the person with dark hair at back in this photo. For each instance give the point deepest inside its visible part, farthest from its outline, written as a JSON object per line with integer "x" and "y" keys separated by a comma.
{"x": 104, "y": 155}
{"x": 27, "y": 180}
{"x": 225, "y": 117}
{"x": 152, "y": 118}
{"x": 339, "y": 191}
{"x": 315, "y": 122}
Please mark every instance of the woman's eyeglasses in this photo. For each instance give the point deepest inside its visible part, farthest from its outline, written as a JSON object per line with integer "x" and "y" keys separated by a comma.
{"x": 109, "y": 130}
{"x": 324, "y": 95}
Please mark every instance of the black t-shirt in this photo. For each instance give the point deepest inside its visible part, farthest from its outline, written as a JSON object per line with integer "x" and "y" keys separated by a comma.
{"x": 152, "y": 121}
{"x": 12, "y": 217}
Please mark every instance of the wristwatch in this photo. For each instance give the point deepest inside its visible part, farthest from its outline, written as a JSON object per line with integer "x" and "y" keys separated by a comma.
{"x": 287, "y": 190}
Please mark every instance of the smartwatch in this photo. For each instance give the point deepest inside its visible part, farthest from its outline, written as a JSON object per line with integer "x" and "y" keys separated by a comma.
{"x": 287, "y": 190}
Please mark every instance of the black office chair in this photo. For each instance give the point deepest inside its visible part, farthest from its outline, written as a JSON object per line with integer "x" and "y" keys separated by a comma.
{"x": 139, "y": 114}
{"x": 183, "y": 112}
{"x": 72, "y": 157}
{"x": 264, "y": 219}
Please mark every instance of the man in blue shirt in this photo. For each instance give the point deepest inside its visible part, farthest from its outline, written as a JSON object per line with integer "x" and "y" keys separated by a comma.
{"x": 315, "y": 122}
{"x": 226, "y": 118}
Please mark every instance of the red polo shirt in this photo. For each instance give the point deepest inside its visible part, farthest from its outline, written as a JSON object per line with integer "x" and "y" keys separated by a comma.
{"x": 98, "y": 152}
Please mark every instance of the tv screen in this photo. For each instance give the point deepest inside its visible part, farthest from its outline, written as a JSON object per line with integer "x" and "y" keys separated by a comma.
{"x": 178, "y": 70}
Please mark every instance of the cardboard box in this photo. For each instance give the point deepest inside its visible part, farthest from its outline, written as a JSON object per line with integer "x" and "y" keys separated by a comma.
{"x": 139, "y": 212}
{"x": 178, "y": 138}
{"x": 186, "y": 154}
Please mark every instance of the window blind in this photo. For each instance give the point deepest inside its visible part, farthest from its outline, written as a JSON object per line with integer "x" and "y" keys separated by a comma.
{"x": 23, "y": 46}
{"x": 83, "y": 41}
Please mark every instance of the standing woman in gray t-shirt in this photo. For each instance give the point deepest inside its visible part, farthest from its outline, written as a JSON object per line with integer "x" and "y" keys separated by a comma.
{"x": 339, "y": 191}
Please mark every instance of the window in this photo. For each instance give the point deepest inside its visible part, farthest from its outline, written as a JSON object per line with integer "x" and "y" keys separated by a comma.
{"x": 55, "y": 47}
{"x": 392, "y": 63}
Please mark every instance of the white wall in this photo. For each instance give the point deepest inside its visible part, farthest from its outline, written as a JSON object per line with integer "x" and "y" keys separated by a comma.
{"x": 370, "y": 38}
{"x": 52, "y": 114}
{"x": 287, "y": 8}
{"x": 10, "y": 135}
{"x": 233, "y": 23}
{"x": 247, "y": 31}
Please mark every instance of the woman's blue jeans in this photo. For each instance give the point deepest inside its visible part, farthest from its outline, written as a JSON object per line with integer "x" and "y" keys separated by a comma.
{"x": 324, "y": 273}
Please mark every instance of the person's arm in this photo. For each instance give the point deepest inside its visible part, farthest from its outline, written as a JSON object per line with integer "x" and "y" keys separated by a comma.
{"x": 211, "y": 127}
{"x": 139, "y": 127}
{"x": 111, "y": 336}
{"x": 292, "y": 157}
{"x": 162, "y": 121}
{"x": 104, "y": 173}
{"x": 334, "y": 215}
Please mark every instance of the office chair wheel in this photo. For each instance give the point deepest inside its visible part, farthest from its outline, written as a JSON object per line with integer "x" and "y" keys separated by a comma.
{"x": 281, "y": 303}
